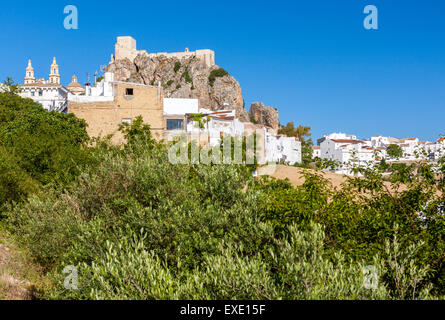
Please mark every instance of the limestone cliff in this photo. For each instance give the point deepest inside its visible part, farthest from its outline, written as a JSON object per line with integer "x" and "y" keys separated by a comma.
{"x": 188, "y": 77}
{"x": 261, "y": 114}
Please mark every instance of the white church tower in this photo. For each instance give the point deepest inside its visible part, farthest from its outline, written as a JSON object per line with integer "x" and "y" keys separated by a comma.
{"x": 54, "y": 76}
{"x": 29, "y": 77}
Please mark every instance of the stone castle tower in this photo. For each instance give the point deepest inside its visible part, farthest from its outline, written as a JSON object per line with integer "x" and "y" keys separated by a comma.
{"x": 29, "y": 76}
{"x": 54, "y": 76}
{"x": 126, "y": 48}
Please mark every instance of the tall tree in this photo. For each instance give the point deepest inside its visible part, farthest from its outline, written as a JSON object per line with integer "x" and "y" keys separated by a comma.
{"x": 394, "y": 151}
{"x": 301, "y": 132}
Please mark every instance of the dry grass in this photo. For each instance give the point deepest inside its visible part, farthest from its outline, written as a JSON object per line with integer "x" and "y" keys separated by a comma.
{"x": 17, "y": 274}
{"x": 295, "y": 175}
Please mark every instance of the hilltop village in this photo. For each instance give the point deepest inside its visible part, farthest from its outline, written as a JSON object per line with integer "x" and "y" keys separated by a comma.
{"x": 345, "y": 151}
{"x": 172, "y": 90}
{"x": 111, "y": 101}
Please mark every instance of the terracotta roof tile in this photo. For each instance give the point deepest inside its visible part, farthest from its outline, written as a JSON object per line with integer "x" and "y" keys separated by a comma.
{"x": 346, "y": 141}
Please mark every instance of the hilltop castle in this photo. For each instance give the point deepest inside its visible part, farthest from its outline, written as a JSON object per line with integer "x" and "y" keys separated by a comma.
{"x": 126, "y": 48}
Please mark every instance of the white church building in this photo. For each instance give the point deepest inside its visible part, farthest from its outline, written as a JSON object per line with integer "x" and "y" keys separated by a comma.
{"x": 51, "y": 94}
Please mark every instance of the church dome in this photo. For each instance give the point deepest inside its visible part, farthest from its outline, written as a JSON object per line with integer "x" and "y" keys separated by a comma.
{"x": 75, "y": 86}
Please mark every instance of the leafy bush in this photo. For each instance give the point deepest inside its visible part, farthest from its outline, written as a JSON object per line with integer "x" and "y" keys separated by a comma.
{"x": 37, "y": 147}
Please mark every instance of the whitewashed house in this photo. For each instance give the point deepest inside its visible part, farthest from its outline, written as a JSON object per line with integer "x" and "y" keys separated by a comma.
{"x": 440, "y": 148}
{"x": 103, "y": 91}
{"x": 209, "y": 127}
{"x": 380, "y": 141}
{"x": 425, "y": 150}
{"x": 348, "y": 154}
{"x": 316, "y": 152}
{"x": 175, "y": 111}
{"x": 409, "y": 148}
{"x": 335, "y": 135}
{"x": 215, "y": 124}
{"x": 281, "y": 149}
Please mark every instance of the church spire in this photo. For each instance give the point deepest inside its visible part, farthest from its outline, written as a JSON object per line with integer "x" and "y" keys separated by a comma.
{"x": 29, "y": 76}
{"x": 54, "y": 76}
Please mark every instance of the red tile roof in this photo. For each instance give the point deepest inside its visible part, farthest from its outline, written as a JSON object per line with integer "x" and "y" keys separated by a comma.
{"x": 346, "y": 141}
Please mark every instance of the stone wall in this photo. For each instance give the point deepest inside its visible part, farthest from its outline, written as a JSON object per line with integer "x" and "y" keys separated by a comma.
{"x": 126, "y": 48}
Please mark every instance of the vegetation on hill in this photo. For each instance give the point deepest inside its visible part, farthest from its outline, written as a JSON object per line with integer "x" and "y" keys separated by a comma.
{"x": 37, "y": 148}
{"x": 139, "y": 227}
{"x": 216, "y": 73}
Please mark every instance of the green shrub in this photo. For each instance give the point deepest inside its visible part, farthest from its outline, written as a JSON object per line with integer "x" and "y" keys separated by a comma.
{"x": 177, "y": 66}
{"x": 186, "y": 75}
{"x": 169, "y": 83}
{"x": 37, "y": 147}
{"x": 217, "y": 73}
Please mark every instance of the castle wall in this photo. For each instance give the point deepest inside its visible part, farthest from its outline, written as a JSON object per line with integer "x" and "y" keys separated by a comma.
{"x": 126, "y": 48}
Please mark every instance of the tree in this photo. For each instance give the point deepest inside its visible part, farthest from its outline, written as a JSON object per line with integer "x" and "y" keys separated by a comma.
{"x": 37, "y": 147}
{"x": 300, "y": 132}
{"x": 394, "y": 151}
{"x": 306, "y": 151}
{"x": 137, "y": 133}
{"x": 12, "y": 88}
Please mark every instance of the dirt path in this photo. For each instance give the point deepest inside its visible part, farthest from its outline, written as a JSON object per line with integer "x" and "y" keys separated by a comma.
{"x": 12, "y": 271}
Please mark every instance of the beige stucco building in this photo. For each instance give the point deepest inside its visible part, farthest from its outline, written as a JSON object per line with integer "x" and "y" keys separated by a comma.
{"x": 129, "y": 101}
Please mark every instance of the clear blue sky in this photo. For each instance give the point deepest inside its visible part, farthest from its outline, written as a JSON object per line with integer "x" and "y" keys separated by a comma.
{"x": 313, "y": 60}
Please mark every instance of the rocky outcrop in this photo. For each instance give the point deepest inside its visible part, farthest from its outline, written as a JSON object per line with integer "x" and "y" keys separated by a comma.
{"x": 261, "y": 114}
{"x": 123, "y": 69}
{"x": 184, "y": 78}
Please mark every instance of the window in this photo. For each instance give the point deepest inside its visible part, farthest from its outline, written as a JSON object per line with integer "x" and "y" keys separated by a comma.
{"x": 32, "y": 94}
{"x": 40, "y": 93}
{"x": 175, "y": 124}
{"x": 129, "y": 91}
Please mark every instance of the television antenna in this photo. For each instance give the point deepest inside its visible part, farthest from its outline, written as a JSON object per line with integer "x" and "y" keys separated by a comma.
{"x": 88, "y": 81}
